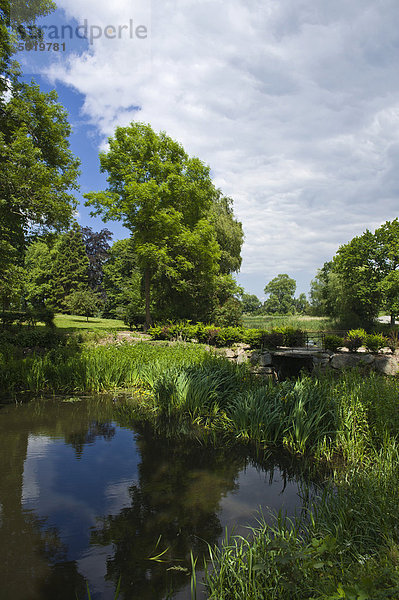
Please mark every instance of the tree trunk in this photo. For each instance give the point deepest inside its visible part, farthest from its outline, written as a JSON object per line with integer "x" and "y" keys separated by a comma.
{"x": 392, "y": 320}
{"x": 147, "y": 298}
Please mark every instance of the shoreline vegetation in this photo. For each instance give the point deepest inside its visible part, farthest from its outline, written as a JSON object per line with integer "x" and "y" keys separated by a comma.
{"x": 348, "y": 545}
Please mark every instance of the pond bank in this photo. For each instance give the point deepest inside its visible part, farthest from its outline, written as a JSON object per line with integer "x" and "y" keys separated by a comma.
{"x": 349, "y": 420}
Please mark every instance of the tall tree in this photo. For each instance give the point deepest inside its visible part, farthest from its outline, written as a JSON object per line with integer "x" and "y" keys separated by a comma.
{"x": 361, "y": 279}
{"x": 37, "y": 170}
{"x": 122, "y": 280}
{"x": 281, "y": 292}
{"x": 165, "y": 198}
{"x": 97, "y": 250}
{"x": 70, "y": 266}
{"x": 250, "y": 303}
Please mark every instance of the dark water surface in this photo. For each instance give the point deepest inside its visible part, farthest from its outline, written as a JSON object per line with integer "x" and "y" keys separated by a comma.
{"x": 85, "y": 498}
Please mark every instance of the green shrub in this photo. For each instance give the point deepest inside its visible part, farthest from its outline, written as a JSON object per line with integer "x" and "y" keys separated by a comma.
{"x": 253, "y": 337}
{"x": 292, "y": 337}
{"x": 355, "y": 339}
{"x": 375, "y": 342}
{"x": 272, "y": 339}
{"x": 227, "y": 336}
{"x": 333, "y": 342}
{"x": 228, "y": 315}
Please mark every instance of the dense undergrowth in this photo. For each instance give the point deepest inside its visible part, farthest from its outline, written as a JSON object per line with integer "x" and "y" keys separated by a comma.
{"x": 348, "y": 546}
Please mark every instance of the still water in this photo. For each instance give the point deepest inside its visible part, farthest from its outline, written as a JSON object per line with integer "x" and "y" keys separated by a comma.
{"x": 84, "y": 497}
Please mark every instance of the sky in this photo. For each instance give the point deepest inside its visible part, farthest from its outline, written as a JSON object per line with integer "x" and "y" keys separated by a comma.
{"x": 294, "y": 104}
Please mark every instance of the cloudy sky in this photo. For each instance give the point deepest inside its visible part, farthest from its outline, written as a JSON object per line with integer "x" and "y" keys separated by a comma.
{"x": 293, "y": 103}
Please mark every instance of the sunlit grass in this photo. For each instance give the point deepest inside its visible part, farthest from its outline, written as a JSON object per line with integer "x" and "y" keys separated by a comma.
{"x": 73, "y": 322}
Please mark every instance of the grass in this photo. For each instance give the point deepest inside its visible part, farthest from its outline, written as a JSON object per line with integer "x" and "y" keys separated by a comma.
{"x": 76, "y": 322}
{"x": 304, "y": 322}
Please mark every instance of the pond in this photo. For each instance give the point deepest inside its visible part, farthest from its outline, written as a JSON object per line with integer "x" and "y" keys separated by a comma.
{"x": 83, "y": 497}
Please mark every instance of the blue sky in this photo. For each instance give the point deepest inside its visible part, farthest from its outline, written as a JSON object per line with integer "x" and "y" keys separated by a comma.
{"x": 293, "y": 103}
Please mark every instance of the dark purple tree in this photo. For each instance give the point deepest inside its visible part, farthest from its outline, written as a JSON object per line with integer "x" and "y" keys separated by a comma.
{"x": 97, "y": 247}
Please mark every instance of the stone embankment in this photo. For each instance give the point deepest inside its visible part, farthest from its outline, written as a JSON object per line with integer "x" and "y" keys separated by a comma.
{"x": 285, "y": 362}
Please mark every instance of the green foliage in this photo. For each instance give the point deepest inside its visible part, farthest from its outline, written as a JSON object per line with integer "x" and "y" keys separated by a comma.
{"x": 281, "y": 292}
{"x": 70, "y": 266}
{"x": 333, "y": 342}
{"x": 362, "y": 279}
{"x": 230, "y": 314}
{"x": 355, "y": 339}
{"x": 122, "y": 281}
{"x": 250, "y": 303}
{"x": 37, "y": 171}
{"x": 83, "y": 301}
{"x": 375, "y": 342}
{"x": 183, "y": 232}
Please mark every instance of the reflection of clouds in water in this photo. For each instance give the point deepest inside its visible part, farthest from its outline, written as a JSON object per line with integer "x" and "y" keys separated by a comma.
{"x": 117, "y": 495}
{"x": 256, "y": 493}
{"x": 93, "y": 566}
{"x": 38, "y": 446}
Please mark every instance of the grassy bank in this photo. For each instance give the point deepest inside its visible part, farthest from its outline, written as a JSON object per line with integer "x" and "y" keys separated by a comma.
{"x": 348, "y": 547}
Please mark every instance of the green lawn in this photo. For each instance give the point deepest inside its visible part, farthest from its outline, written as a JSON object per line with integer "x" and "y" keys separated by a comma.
{"x": 73, "y": 322}
{"x": 305, "y": 322}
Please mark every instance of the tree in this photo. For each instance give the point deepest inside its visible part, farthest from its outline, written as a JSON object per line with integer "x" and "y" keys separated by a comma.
{"x": 361, "y": 278}
{"x": 122, "y": 282}
{"x": 37, "y": 170}
{"x": 39, "y": 267}
{"x": 83, "y": 301}
{"x": 170, "y": 204}
{"x": 250, "y": 303}
{"x": 281, "y": 292}
{"x": 301, "y": 304}
{"x": 97, "y": 249}
{"x": 70, "y": 266}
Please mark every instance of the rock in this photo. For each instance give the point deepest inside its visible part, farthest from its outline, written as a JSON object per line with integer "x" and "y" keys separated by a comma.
{"x": 345, "y": 361}
{"x": 255, "y": 357}
{"x": 386, "y": 364}
{"x": 230, "y": 353}
{"x": 242, "y": 358}
{"x": 265, "y": 359}
{"x": 243, "y": 346}
{"x": 263, "y": 371}
{"x": 386, "y": 350}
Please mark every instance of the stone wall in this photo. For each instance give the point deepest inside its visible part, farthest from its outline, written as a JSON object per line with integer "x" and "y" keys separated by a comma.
{"x": 287, "y": 362}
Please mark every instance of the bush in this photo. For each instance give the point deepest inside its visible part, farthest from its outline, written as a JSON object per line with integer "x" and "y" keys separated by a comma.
{"x": 375, "y": 342}
{"x": 355, "y": 339}
{"x": 292, "y": 337}
{"x": 253, "y": 337}
{"x": 333, "y": 342}
{"x": 228, "y": 315}
{"x": 227, "y": 336}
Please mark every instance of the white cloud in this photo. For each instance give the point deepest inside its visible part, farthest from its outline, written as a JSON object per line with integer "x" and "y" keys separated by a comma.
{"x": 293, "y": 103}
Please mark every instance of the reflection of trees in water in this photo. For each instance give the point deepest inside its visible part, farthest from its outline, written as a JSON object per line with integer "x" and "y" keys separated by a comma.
{"x": 88, "y": 434}
{"x": 177, "y": 497}
{"x": 34, "y": 561}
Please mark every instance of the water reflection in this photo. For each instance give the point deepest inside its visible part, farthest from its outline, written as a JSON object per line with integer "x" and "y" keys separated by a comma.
{"x": 84, "y": 497}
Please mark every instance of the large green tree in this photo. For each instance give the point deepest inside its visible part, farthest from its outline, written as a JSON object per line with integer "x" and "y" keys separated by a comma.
{"x": 281, "y": 290}
{"x": 38, "y": 172}
{"x": 174, "y": 212}
{"x": 362, "y": 278}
